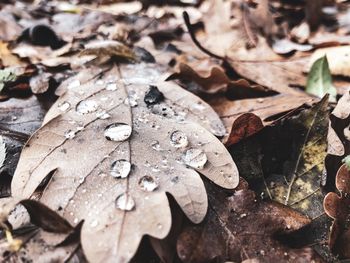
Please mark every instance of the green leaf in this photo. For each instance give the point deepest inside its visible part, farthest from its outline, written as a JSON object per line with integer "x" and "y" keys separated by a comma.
{"x": 346, "y": 160}
{"x": 319, "y": 81}
{"x": 6, "y": 75}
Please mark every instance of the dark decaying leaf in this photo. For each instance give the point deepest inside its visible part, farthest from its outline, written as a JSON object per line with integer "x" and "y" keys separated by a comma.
{"x": 115, "y": 158}
{"x": 287, "y": 167}
{"x": 239, "y": 227}
{"x": 19, "y": 118}
{"x": 52, "y": 239}
{"x": 291, "y": 164}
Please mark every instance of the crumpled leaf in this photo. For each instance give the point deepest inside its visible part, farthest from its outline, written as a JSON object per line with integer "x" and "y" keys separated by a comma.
{"x": 338, "y": 207}
{"x": 217, "y": 81}
{"x": 84, "y": 147}
{"x": 107, "y": 49}
{"x": 238, "y": 228}
{"x": 338, "y": 140}
{"x": 267, "y": 109}
{"x": 319, "y": 81}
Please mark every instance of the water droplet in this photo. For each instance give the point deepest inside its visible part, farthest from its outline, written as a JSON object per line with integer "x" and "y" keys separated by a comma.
{"x": 117, "y": 132}
{"x": 76, "y": 220}
{"x": 163, "y": 110}
{"x": 178, "y": 139}
{"x": 111, "y": 86}
{"x": 94, "y": 223}
{"x": 148, "y": 183}
{"x": 86, "y": 106}
{"x": 120, "y": 168}
{"x": 153, "y": 95}
{"x": 124, "y": 202}
{"x": 64, "y": 106}
{"x": 159, "y": 226}
{"x": 195, "y": 158}
{"x": 69, "y": 134}
{"x": 218, "y": 129}
{"x": 199, "y": 106}
{"x": 131, "y": 101}
{"x": 174, "y": 179}
{"x": 155, "y": 145}
{"x": 103, "y": 115}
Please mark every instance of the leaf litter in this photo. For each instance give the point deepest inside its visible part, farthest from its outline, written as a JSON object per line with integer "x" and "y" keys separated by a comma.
{"x": 247, "y": 59}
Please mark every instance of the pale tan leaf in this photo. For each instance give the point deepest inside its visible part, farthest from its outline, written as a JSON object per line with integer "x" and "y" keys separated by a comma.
{"x": 119, "y": 211}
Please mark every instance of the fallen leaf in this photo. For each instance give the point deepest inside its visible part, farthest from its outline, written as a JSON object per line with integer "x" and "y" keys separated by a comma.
{"x": 267, "y": 109}
{"x": 319, "y": 82}
{"x": 337, "y": 58}
{"x": 19, "y": 118}
{"x": 287, "y": 167}
{"x": 6, "y": 75}
{"x": 244, "y": 126}
{"x": 337, "y": 207}
{"x": 293, "y": 163}
{"x": 40, "y": 83}
{"x": 338, "y": 140}
{"x": 105, "y": 50}
{"x": 9, "y": 29}
{"x": 7, "y": 59}
{"x": 238, "y": 228}
{"x": 285, "y": 46}
{"x": 217, "y": 81}
{"x": 139, "y": 153}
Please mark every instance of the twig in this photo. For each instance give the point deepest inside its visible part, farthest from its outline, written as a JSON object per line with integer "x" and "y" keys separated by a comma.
{"x": 194, "y": 39}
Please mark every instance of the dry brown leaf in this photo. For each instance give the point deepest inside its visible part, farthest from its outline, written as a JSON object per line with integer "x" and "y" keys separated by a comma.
{"x": 265, "y": 108}
{"x": 88, "y": 145}
{"x": 7, "y": 59}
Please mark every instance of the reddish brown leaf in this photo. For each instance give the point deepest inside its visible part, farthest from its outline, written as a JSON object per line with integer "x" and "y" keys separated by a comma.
{"x": 244, "y": 126}
{"x": 338, "y": 208}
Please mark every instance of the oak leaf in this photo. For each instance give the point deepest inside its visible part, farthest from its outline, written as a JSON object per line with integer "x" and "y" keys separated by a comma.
{"x": 113, "y": 155}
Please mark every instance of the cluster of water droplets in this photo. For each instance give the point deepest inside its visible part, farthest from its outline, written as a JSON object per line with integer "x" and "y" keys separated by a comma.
{"x": 119, "y": 132}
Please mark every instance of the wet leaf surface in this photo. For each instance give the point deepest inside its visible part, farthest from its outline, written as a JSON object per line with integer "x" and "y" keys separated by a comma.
{"x": 109, "y": 113}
